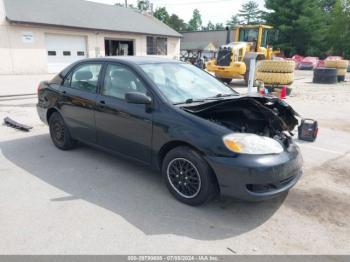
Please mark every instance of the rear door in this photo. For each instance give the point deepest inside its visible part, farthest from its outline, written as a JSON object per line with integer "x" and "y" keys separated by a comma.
{"x": 123, "y": 127}
{"x": 78, "y": 100}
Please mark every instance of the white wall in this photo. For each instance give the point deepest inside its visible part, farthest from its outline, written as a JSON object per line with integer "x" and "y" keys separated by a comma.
{"x": 2, "y": 12}
{"x": 22, "y": 57}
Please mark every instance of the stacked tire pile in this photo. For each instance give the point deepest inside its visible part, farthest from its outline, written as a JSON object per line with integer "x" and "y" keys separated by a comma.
{"x": 340, "y": 65}
{"x": 333, "y": 72}
{"x": 276, "y": 73}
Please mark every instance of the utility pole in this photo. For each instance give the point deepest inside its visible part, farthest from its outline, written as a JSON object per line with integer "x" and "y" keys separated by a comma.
{"x": 126, "y": 3}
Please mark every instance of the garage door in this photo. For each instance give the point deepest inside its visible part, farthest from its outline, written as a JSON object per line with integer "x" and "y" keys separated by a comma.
{"x": 62, "y": 50}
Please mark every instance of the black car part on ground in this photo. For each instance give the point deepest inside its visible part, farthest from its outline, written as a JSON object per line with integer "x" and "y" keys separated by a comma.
{"x": 308, "y": 130}
{"x": 264, "y": 116}
{"x": 9, "y": 122}
{"x": 324, "y": 75}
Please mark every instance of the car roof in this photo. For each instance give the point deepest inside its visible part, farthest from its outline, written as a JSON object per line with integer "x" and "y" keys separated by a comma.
{"x": 138, "y": 60}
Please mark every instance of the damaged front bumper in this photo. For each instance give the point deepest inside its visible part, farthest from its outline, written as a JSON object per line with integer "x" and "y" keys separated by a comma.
{"x": 257, "y": 177}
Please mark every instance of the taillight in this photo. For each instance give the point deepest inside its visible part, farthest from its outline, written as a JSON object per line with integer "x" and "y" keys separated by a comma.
{"x": 39, "y": 88}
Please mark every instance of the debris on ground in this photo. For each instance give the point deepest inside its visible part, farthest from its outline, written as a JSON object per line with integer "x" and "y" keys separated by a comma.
{"x": 11, "y": 123}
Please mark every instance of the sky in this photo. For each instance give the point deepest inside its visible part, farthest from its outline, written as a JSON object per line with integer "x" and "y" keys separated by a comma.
{"x": 217, "y": 11}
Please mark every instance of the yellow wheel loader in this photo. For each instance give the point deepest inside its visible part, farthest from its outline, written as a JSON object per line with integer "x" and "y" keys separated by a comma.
{"x": 233, "y": 59}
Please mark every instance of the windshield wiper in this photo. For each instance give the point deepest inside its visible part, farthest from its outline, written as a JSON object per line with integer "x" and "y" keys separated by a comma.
{"x": 220, "y": 96}
{"x": 190, "y": 101}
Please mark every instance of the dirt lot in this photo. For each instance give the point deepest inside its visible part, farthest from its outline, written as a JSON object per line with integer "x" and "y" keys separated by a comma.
{"x": 87, "y": 202}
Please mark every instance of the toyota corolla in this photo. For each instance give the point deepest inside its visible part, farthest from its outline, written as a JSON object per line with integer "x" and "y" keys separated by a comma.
{"x": 202, "y": 136}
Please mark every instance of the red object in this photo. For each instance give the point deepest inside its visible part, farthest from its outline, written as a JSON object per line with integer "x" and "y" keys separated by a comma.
{"x": 297, "y": 59}
{"x": 320, "y": 63}
{"x": 283, "y": 92}
{"x": 262, "y": 91}
{"x": 309, "y": 62}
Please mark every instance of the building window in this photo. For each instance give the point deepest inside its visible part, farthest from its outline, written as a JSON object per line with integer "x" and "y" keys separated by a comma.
{"x": 66, "y": 53}
{"x": 51, "y": 53}
{"x": 157, "y": 45}
{"x": 80, "y": 53}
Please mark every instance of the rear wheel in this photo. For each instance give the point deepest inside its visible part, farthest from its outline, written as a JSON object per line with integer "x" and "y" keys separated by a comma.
{"x": 59, "y": 132}
{"x": 188, "y": 177}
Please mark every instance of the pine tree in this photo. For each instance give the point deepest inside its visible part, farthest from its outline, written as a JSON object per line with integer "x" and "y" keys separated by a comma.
{"x": 162, "y": 14}
{"x": 196, "y": 21}
{"x": 250, "y": 13}
{"x": 338, "y": 37}
{"x": 302, "y": 27}
{"x": 234, "y": 21}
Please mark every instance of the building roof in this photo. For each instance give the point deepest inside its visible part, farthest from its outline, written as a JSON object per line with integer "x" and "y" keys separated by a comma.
{"x": 198, "y": 45}
{"x": 85, "y": 15}
{"x": 199, "y": 39}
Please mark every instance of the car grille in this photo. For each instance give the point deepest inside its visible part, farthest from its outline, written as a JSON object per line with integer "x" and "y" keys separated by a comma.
{"x": 264, "y": 188}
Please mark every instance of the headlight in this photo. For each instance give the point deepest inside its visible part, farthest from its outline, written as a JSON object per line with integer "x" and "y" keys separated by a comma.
{"x": 251, "y": 144}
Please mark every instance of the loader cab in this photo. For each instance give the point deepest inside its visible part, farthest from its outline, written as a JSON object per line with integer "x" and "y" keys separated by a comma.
{"x": 258, "y": 35}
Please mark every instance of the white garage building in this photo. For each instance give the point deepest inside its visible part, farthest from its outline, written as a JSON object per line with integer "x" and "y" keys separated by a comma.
{"x": 44, "y": 36}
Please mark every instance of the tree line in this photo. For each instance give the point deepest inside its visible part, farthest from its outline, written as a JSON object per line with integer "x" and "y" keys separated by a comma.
{"x": 306, "y": 27}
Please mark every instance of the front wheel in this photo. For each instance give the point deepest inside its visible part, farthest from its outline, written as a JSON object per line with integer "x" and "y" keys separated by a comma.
{"x": 188, "y": 177}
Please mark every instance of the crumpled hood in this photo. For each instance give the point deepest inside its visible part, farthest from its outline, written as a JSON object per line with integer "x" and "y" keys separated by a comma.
{"x": 278, "y": 115}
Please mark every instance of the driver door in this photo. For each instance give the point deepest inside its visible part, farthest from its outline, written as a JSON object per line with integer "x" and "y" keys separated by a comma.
{"x": 123, "y": 127}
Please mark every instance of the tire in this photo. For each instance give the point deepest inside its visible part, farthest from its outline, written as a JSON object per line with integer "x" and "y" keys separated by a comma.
{"x": 182, "y": 161}
{"x": 59, "y": 132}
{"x": 275, "y": 78}
{"x": 340, "y": 64}
{"x": 341, "y": 78}
{"x": 330, "y": 63}
{"x": 226, "y": 80}
{"x": 325, "y": 75}
{"x": 276, "y": 66}
{"x": 341, "y": 72}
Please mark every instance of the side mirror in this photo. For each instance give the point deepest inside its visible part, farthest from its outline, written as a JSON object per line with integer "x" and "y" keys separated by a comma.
{"x": 137, "y": 98}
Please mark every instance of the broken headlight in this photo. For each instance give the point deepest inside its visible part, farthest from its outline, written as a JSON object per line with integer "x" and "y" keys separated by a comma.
{"x": 251, "y": 144}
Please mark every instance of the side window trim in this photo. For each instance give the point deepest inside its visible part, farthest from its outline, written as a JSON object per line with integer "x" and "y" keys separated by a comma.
{"x": 103, "y": 80}
{"x": 73, "y": 69}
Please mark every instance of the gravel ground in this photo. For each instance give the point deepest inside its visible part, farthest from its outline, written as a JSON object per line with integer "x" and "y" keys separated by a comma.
{"x": 88, "y": 202}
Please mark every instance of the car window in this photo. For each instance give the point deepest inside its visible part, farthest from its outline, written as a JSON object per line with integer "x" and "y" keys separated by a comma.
{"x": 180, "y": 82}
{"x": 120, "y": 80}
{"x": 84, "y": 77}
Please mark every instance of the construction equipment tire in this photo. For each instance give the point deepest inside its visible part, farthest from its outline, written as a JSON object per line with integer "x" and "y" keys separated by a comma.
{"x": 341, "y": 72}
{"x": 325, "y": 75}
{"x": 276, "y": 66}
{"x": 341, "y": 78}
{"x": 341, "y": 64}
{"x": 275, "y": 78}
{"x": 225, "y": 80}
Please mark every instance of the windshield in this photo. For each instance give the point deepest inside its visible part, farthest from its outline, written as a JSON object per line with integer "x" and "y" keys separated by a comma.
{"x": 248, "y": 35}
{"x": 184, "y": 83}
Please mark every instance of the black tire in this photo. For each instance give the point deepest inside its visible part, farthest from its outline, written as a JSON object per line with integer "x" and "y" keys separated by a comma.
{"x": 188, "y": 176}
{"x": 325, "y": 75}
{"x": 341, "y": 78}
{"x": 226, "y": 80}
{"x": 59, "y": 132}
